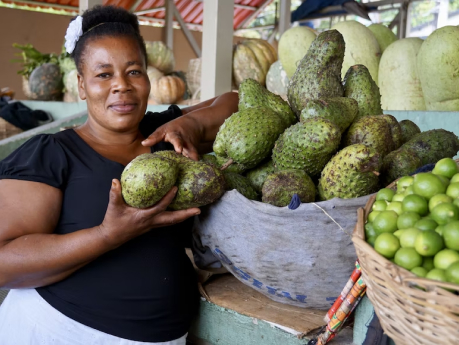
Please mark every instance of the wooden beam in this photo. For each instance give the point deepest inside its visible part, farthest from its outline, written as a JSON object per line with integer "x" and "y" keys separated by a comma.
{"x": 189, "y": 36}
{"x": 151, "y": 10}
{"x": 168, "y": 37}
{"x": 46, "y": 4}
{"x": 135, "y": 5}
{"x": 217, "y": 48}
{"x": 285, "y": 16}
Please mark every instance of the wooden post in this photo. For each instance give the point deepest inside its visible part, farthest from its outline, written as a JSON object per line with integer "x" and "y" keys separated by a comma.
{"x": 87, "y": 4}
{"x": 285, "y": 16}
{"x": 217, "y": 46}
{"x": 168, "y": 37}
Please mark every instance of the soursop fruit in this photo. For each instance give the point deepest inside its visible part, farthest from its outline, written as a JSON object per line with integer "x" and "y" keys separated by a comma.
{"x": 248, "y": 136}
{"x": 351, "y": 173}
{"x": 146, "y": 179}
{"x": 307, "y": 146}
{"x": 359, "y": 85}
{"x": 219, "y": 161}
{"x": 372, "y": 131}
{"x": 395, "y": 130}
{"x": 253, "y": 95}
{"x": 241, "y": 184}
{"x": 409, "y": 130}
{"x": 258, "y": 175}
{"x": 198, "y": 183}
{"x": 398, "y": 163}
{"x": 340, "y": 110}
{"x": 318, "y": 75}
{"x": 280, "y": 187}
{"x": 431, "y": 146}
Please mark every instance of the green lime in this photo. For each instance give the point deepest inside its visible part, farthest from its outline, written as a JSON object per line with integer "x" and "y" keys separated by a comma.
{"x": 438, "y": 199}
{"x": 409, "y": 190}
{"x": 399, "y": 233}
{"x": 398, "y": 197}
{"x": 451, "y": 235}
{"x": 379, "y": 205}
{"x": 439, "y": 229}
{"x": 427, "y": 185}
{"x": 386, "y": 221}
{"x": 454, "y": 179}
{"x": 426, "y": 224}
{"x": 387, "y": 245}
{"x": 419, "y": 271}
{"x": 453, "y": 190}
{"x": 407, "y": 220}
{"x": 369, "y": 230}
{"x": 445, "y": 167}
{"x": 385, "y": 194}
{"x": 408, "y": 237}
{"x": 456, "y": 202}
{"x": 428, "y": 243}
{"x": 415, "y": 203}
{"x": 403, "y": 183}
{"x": 452, "y": 273}
{"x": 444, "y": 258}
{"x": 395, "y": 206}
{"x": 445, "y": 213}
{"x": 408, "y": 258}
{"x": 372, "y": 215}
{"x": 436, "y": 274}
{"x": 444, "y": 180}
{"x": 428, "y": 263}
{"x": 371, "y": 240}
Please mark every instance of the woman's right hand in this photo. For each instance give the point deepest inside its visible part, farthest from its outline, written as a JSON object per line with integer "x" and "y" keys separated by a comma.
{"x": 122, "y": 222}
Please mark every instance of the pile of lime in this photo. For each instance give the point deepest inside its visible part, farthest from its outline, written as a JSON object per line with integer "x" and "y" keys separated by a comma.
{"x": 417, "y": 226}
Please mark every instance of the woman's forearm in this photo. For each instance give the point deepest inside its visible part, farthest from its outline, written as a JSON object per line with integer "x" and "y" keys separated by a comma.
{"x": 36, "y": 260}
{"x": 213, "y": 116}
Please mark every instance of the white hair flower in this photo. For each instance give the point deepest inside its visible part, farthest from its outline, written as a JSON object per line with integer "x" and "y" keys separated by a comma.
{"x": 73, "y": 34}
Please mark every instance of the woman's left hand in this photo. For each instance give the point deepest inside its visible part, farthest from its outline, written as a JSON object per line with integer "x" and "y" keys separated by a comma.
{"x": 185, "y": 133}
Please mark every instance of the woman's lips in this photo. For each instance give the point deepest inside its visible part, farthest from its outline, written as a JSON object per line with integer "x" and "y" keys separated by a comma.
{"x": 123, "y": 107}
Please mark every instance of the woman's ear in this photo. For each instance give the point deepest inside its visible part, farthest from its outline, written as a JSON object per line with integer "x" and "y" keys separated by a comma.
{"x": 81, "y": 90}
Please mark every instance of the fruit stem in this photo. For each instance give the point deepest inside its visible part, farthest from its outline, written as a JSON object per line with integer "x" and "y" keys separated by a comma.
{"x": 227, "y": 164}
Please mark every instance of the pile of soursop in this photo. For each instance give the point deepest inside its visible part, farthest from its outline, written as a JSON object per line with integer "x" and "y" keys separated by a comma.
{"x": 329, "y": 140}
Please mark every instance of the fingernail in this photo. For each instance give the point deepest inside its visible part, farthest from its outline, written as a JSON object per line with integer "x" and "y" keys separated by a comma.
{"x": 199, "y": 212}
{"x": 113, "y": 184}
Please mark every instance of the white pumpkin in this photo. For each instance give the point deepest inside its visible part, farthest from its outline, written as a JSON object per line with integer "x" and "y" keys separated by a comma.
{"x": 167, "y": 90}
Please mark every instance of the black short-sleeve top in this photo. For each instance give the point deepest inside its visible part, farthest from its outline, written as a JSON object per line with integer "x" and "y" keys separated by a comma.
{"x": 145, "y": 290}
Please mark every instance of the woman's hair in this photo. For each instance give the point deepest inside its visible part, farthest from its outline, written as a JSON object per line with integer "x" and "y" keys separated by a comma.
{"x": 101, "y": 21}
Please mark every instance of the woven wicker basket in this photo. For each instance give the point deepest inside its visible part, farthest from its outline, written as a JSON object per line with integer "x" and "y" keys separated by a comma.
{"x": 411, "y": 310}
{"x": 7, "y": 129}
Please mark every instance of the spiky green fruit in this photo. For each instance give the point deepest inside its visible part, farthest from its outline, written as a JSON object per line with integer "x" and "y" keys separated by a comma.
{"x": 409, "y": 130}
{"x": 351, "y": 173}
{"x": 248, "y": 136}
{"x": 146, "y": 179}
{"x": 241, "y": 184}
{"x": 433, "y": 145}
{"x": 258, "y": 175}
{"x": 339, "y": 110}
{"x": 372, "y": 131}
{"x": 198, "y": 183}
{"x": 307, "y": 146}
{"x": 318, "y": 74}
{"x": 359, "y": 85}
{"x": 395, "y": 131}
{"x": 398, "y": 163}
{"x": 280, "y": 187}
{"x": 253, "y": 95}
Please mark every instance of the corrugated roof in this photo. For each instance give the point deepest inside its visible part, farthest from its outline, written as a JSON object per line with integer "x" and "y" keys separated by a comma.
{"x": 153, "y": 10}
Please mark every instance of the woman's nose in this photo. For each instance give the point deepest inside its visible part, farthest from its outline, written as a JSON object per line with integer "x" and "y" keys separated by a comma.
{"x": 121, "y": 84}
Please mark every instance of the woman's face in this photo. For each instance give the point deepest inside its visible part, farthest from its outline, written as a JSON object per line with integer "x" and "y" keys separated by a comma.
{"x": 114, "y": 83}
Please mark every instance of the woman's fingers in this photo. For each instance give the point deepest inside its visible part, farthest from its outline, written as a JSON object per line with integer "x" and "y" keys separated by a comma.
{"x": 116, "y": 197}
{"x": 173, "y": 217}
{"x": 154, "y": 138}
{"x": 191, "y": 152}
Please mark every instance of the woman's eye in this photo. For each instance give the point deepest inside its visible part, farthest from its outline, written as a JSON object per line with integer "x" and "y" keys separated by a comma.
{"x": 135, "y": 72}
{"x": 103, "y": 75}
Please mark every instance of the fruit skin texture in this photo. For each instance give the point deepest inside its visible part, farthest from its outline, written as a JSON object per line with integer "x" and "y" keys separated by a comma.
{"x": 359, "y": 85}
{"x": 433, "y": 145}
{"x": 160, "y": 56}
{"x": 146, "y": 179}
{"x": 45, "y": 83}
{"x": 371, "y": 131}
{"x": 318, "y": 74}
{"x": 253, "y": 95}
{"x": 252, "y": 59}
{"x": 293, "y": 46}
{"x": 438, "y": 65}
{"x": 383, "y": 35}
{"x": 198, "y": 183}
{"x": 395, "y": 130}
{"x": 258, "y": 175}
{"x": 340, "y": 110}
{"x": 241, "y": 184}
{"x": 248, "y": 136}
{"x": 219, "y": 161}
{"x": 277, "y": 80}
{"x": 280, "y": 187}
{"x": 409, "y": 130}
{"x": 349, "y": 174}
{"x": 307, "y": 146}
{"x": 399, "y": 163}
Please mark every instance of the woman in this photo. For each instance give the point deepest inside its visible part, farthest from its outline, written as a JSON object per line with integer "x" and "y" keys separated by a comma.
{"x": 84, "y": 267}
